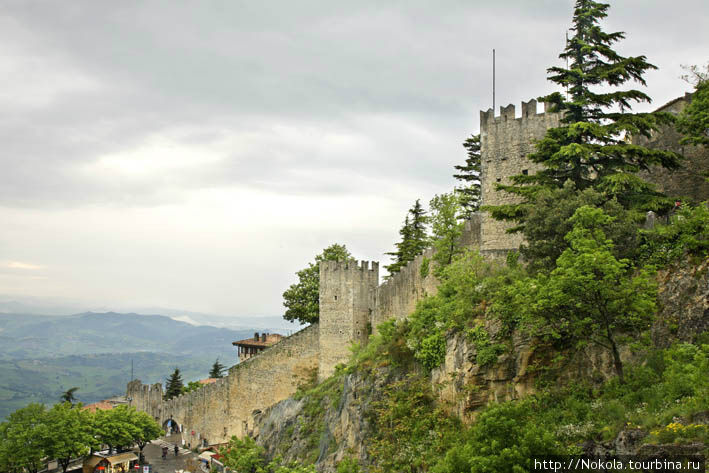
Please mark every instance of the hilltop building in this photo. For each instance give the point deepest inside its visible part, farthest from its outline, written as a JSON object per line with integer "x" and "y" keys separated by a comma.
{"x": 253, "y": 346}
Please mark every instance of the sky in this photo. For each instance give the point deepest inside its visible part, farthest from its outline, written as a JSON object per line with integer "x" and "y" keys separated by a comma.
{"x": 195, "y": 155}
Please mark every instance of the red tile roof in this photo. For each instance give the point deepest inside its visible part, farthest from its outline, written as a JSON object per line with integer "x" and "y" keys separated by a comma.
{"x": 98, "y": 406}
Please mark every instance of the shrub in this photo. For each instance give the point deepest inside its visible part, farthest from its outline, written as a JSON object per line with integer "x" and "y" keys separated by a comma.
{"x": 687, "y": 232}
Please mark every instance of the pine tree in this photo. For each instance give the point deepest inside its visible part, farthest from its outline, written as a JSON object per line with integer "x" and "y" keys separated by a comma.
{"x": 173, "y": 386}
{"x": 470, "y": 176}
{"x": 217, "y": 370}
{"x": 591, "y": 146}
{"x": 414, "y": 238}
{"x": 402, "y": 248}
{"x": 419, "y": 236}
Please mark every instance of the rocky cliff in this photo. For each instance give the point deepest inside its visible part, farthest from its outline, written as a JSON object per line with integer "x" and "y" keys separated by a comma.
{"x": 333, "y": 420}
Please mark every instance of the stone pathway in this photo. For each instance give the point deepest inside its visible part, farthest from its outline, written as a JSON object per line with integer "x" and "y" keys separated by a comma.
{"x": 185, "y": 459}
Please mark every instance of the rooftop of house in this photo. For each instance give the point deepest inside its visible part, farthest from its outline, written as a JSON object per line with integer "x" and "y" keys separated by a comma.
{"x": 259, "y": 340}
{"x": 98, "y": 406}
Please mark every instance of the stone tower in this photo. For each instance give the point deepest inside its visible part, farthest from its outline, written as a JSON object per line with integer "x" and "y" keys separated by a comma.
{"x": 347, "y": 298}
{"x": 505, "y": 142}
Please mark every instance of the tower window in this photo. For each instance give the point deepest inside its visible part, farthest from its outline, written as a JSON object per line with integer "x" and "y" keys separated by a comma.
{"x": 335, "y": 297}
{"x": 499, "y": 179}
{"x": 525, "y": 171}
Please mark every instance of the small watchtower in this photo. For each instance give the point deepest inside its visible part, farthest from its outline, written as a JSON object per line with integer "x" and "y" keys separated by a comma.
{"x": 347, "y": 298}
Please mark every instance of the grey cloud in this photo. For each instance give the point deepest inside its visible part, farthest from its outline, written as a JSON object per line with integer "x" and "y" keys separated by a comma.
{"x": 242, "y": 66}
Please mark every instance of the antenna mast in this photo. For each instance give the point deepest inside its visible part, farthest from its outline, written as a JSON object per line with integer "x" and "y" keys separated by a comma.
{"x": 493, "y": 82}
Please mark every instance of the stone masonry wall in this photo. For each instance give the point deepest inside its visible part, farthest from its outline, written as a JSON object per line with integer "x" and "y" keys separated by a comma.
{"x": 397, "y": 297}
{"x": 219, "y": 410}
{"x": 347, "y": 298}
{"x": 505, "y": 143}
{"x": 687, "y": 182}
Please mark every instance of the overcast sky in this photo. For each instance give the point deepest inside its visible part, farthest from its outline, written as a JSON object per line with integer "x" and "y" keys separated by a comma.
{"x": 194, "y": 155}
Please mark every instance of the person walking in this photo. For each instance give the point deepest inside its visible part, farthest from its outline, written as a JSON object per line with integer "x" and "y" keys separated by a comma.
{"x": 164, "y": 453}
{"x": 177, "y": 449}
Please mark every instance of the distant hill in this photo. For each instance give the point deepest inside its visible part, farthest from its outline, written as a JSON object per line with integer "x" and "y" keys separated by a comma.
{"x": 97, "y": 376}
{"x": 43, "y": 355}
{"x": 36, "y": 336}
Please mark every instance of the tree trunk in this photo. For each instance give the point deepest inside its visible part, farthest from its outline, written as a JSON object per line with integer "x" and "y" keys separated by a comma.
{"x": 616, "y": 361}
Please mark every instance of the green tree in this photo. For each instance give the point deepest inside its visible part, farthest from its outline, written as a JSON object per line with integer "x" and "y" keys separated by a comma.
{"x": 302, "y": 300}
{"x": 217, "y": 370}
{"x": 147, "y": 429}
{"x": 414, "y": 238}
{"x": 68, "y": 395}
{"x": 469, "y": 174}
{"x": 592, "y": 297}
{"x": 115, "y": 428}
{"x": 446, "y": 227}
{"x": 402, "y": 249}
{"x": 693, "y": 122}
{"x": 23, "y": 439}
{"x": 590, "y": 147}
{"x": 174, "y": 385}
{"x": 548, "y": 223}
{"x": 192, "y": 386}
{"x": 69, "y": 433}
{"x": 244, "y": 456}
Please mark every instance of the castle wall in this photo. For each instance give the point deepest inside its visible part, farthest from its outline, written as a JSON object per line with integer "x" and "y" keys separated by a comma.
{"x": 347, "y": 297}
{"x": 146, "y": 398}
{"x": 505, "y": 143}
{"x": 687, "y": 182}
{"x": 219, "y": 410}
{"x": 397, "y": 297}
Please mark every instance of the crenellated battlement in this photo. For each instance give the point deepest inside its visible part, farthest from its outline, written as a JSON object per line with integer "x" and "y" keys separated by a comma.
{"x": 508, "y": 114}
{"x": 351, "y": 265}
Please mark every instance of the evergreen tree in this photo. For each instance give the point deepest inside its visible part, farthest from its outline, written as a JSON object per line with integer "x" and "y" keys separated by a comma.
{"x": 174, "y": 385}
{"x": 469, "y": 174}
{"x": 590, "y": 147}
{"x": 302, "y": 300}
{"x": 402, "y": 249}
{"x": 419, "y": 236}
{"x": 217, "y": 370}
{"x": 414, "y": 238}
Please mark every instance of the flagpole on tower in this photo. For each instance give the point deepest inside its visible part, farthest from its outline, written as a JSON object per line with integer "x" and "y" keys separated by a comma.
{"x": 493, "y": 82}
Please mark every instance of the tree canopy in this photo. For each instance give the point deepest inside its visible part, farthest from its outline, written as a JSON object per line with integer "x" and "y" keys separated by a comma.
{"x": 217, "y": 370}
{"x": 446, "y": 227}
{"x": 591, "y": 296}
{"x": 70, "y": 435}
{"x": 414, "y": 238}
{"x": 469, "y": 175}
{"x": 174, "y": 385}
{"x": 302, "y": 299}
{"x": 33, "y": 435}
{"x": 693, "y": 122}
{"x": 591, "y": 146}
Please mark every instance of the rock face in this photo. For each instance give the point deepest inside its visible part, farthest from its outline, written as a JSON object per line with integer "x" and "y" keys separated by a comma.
{"x": 683, "y": 304}
{"x": 333, "y": 424}
{"x": 325, "y": 429}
